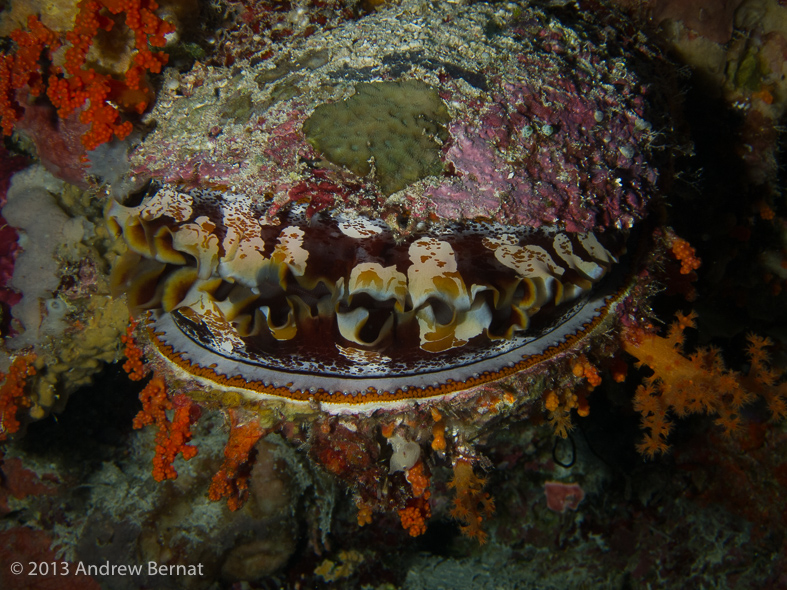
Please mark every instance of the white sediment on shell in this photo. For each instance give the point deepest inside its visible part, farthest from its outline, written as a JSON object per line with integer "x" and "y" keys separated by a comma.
{"x": 290, "y": 251}
{"x": 565, "y": 250}
{"x": 360, "y": 227}
{"x": 243, "y": 244}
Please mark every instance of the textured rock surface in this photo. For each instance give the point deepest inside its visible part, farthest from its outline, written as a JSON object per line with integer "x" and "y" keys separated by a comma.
{"x": 547, "y": 121}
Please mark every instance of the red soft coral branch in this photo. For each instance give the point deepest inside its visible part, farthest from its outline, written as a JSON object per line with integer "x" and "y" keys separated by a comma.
{"x": 173, "y": 435}
{"x": 76, "y": 85}
{"x": 22, "y": 70}
{"x": 12, "y": 394}
{"x": 232, "y": 480}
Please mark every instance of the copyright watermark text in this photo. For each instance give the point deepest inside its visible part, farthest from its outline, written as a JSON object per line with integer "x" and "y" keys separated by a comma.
{"x": 66, "y": 568}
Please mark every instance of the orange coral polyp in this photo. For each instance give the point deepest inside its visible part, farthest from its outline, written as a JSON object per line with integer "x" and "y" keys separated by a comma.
{"x": 414, "y": 516}
{"x": 364, "y": 512}
{"x": 584, "y": 369}
{"x": 551, "y": 401}
{"x": 438, "y": 436}
{"x": 418, "y": 479}
{"x": 686, "y": 255}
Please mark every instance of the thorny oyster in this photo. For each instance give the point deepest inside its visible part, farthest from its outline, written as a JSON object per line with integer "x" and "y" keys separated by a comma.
{"x": 422, "y": 202}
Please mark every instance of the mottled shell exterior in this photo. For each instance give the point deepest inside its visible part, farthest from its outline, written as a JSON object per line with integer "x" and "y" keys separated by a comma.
{"x": 546, "y": 123}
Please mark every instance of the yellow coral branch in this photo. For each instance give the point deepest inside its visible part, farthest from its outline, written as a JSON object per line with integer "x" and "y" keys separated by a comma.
{"x": 698, "y": 383}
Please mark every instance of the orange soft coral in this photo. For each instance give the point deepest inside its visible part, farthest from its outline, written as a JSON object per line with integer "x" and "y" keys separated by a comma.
{"x": 417, "y": 511}
{"x": 232, "y": 480}
{"x": 22, "y": 69}
{"x": 763, "y": 380}
{"x": 12, "y": 394}
{"x": 697, "y": 383}
{"x": 173, "y": 436}
{"x": 471, "y": 503}
{"x": 155, "y": 403}
{"x": 173, "y": 440}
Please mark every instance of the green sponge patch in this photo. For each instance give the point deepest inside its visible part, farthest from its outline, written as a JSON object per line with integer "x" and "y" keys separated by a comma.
{"x": 398, "y": 125}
